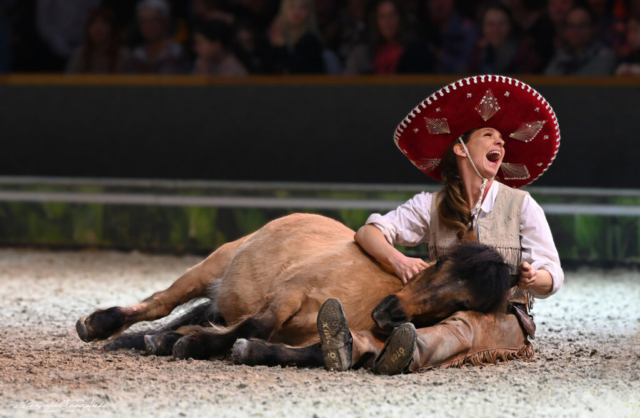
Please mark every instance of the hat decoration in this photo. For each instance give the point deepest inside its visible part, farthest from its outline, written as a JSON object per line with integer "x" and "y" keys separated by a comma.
{"x": 525, "y": 119}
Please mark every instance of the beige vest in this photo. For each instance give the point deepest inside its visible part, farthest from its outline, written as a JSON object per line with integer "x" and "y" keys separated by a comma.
{"x": 499, "y": 229}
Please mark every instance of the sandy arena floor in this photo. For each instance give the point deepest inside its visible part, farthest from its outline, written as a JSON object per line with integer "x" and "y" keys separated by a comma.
{"x": 587, "y": 361}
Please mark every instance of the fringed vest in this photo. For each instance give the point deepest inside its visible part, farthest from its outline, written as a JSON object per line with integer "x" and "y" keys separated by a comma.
{"x": 499, "y": 229}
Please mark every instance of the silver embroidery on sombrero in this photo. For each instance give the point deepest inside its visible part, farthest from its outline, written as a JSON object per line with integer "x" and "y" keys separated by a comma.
{"x": 427, "y": 164}
{"x": 437, "y": 125}
{"x": 515, "y": 171}
{"x": 488, "y": 106}
{"x": 527, "y": 131}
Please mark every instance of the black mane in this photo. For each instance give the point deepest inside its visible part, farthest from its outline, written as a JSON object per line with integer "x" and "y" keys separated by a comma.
{"x": 485, "y": 271}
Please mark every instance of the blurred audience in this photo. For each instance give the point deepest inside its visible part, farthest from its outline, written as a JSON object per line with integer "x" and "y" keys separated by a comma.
{"x": 101, "y": 52}
{"x": 159, "y": 53}
{"x": 294, "y": 38}
{"x": 319, "y": 36}
{"x": 61, "y": 24}
{"x": 391, "y": 49}
{"x": 583, "y": 53}
{"x": 500, "y": 51}
{"x": 212, "y": 41}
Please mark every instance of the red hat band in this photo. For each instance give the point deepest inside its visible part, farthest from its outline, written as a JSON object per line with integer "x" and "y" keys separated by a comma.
{"x": 525, "y": 119}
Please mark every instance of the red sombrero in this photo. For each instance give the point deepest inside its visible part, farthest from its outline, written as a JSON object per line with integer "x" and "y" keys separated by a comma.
{"x": 525, "y": 119}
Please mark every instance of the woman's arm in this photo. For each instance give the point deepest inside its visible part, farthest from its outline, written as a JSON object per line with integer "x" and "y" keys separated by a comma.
{"x": 407, "y": 225}
{"x": 372, "y": 240}
{"x": 540, "y": 270}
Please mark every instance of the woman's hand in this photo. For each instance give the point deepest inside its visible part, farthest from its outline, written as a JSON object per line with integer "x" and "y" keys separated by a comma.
{"x": 528, "y": 275}
{"x": 407, "y": 267}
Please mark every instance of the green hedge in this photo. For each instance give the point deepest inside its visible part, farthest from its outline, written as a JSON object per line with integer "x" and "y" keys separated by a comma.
{"x": 200, "y": 230}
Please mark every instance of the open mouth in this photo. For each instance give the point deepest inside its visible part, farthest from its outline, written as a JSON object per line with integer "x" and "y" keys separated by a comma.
{"x": 494, "y": 156}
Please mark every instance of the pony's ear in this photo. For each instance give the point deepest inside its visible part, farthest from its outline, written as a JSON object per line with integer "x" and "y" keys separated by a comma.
{"x": 514, "y": 279}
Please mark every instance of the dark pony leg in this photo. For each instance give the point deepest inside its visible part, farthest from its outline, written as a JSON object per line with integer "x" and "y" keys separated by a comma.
{"x": 261, "y": 353}
{"x": 155, "y": 342}
{"x": 105, "y": 323}
{"x": 203, "y": 343}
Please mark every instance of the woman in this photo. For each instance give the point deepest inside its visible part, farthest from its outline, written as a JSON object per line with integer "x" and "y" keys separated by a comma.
{"x": 212, "y": 44}
{"x": 296, "y": 46}
{"x": 480, "y": 136}
{"x": 101, "y": 52}
{"x": 500, "y": 51}
{"x": 390, "y": 50}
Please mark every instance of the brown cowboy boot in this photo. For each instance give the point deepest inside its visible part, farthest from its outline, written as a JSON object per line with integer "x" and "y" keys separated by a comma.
{"x": 397, "y": 354}
{"x": 335, "y": 337}
{"x": 473, "y": 338}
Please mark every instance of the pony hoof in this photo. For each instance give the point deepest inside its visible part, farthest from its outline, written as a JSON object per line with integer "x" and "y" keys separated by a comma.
{"x": 149, "y": 345}
{"x": 239, "y": 351}
{"x": 81, "y": 328}
{"x": 101, "y": 325}
{"x": 189, "y": 347}
{"x": 160, "y": 344}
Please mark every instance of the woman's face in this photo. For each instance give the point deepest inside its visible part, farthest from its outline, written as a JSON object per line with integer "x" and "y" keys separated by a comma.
{"x": 99, "y": 31}
{"x": 297, "y": 13}
{"x": 486, "y": 147}
{"x": 388, "y": 20}
{"x": 496, "y": 27}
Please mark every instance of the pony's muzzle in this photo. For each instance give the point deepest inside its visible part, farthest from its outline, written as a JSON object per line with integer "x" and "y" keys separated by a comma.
{"x": 388, "y": 314}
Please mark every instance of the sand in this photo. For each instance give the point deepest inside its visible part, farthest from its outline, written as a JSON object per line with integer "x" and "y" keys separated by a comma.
{"x": 587, "y": 359}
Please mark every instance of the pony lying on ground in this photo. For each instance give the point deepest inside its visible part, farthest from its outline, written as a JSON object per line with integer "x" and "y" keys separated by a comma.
{"x": 270, "y": 285}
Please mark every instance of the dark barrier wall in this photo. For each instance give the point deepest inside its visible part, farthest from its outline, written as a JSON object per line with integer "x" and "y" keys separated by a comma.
{"x": 295, "y": 130}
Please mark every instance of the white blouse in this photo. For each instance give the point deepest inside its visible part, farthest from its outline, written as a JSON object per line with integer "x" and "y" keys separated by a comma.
{"x": 409, "y": 225}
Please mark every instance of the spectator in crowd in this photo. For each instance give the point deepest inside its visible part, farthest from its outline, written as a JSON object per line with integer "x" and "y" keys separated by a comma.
{"x": 452, "y": 37}
{"x": 328, "y": 19}
{"x": 158, "y": 54}
{"x": 631, "y": 60}
{"x": 250, "y": 49}
{"x": 60, "y": 24}
{"x": 101, "y": 51}
{"x": 294, "y": 39}
{"x": 499, "y": 51}
{"x": 609, "y": 29}
{"x": 353, "y": 26}
{"x": 212, "y": 41}
{"x": 390, "y": 49}
{"x": 205, "y": 10}
{"x": 557, "y": 11}
{"x": 583, "y": 54}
